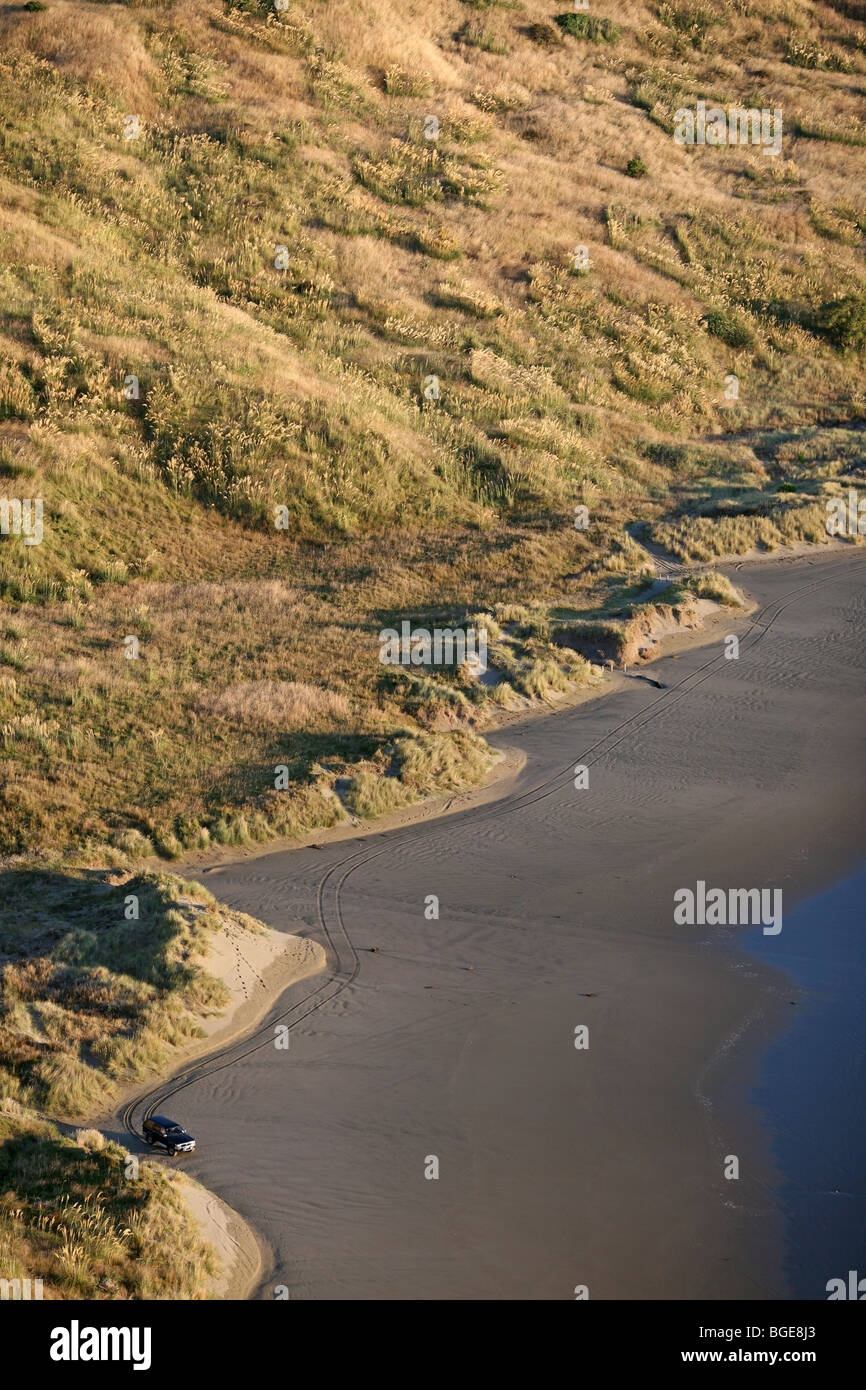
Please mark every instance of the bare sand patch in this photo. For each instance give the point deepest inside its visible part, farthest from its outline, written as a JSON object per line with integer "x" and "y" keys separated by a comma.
{"x": 255, "y": 967}
{"x": 233, "y": 1242}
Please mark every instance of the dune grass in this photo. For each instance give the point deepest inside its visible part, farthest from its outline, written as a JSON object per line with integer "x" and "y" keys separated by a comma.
{"x": 313, "y": 322}
{"x": 415, "y": 767}
{"x": 292, "y": 361}
{"x": 72, "y": 1216}
{"x": 101, "y": 981}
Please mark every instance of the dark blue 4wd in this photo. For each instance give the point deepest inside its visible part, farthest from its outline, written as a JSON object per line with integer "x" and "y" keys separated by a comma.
{"x": 159, "y": 1130}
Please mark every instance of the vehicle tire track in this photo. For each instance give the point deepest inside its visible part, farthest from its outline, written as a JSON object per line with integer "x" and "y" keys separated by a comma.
{"x": 345, "y": 968}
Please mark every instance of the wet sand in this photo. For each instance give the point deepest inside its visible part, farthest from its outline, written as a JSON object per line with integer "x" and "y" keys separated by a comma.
{"x": 454, "y": 1038}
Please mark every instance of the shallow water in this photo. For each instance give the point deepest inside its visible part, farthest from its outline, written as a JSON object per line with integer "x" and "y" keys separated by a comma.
{"x": 812, "y": 1087}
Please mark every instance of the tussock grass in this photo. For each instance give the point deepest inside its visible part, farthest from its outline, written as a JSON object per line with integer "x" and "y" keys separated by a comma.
{"x": 632, "y": 619}
{"x": 291, "y": 383}
{"x": 702, "y": 538}
{"x": 71, "y": 1216}
{"x": 414, "y": 767}
{"x": 714, "y": 586}
{"x": 285, "y": 704}
{"x": 91, "y": 996}
{"x": 586, "y": 26}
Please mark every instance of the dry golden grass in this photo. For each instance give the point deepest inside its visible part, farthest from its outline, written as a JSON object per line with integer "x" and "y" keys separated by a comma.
{"x": 279, "y": 704}
{"x": 90, "y": 997}
{"x": 105, "y": 49}
{"x": 305, "y": 388}
{"x": 71, "y": 1217}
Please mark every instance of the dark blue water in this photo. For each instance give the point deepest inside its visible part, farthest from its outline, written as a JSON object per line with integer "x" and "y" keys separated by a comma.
{"x": 812, "y": 1087}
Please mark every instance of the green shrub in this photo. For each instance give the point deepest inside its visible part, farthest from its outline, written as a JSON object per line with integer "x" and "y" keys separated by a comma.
{"x": 729, "y": 328}
{"x": 584, "y": 26}
{"x": 843, "y": 322}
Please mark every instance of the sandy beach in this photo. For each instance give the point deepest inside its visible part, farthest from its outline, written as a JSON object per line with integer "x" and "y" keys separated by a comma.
{"x": 454, "y": 1038}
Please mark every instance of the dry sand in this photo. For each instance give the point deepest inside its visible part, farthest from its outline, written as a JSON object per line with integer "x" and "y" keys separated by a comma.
{"x": 455, "y": 1039}
{"x": 256, "y": 967}
{"x": 232, "y": 1240}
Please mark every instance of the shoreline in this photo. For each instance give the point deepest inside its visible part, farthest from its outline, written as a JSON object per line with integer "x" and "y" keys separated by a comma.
{"x": 505, "y": 773}
{"x": 505, "y": 768}
{"x": 809, "y": 1083}
{"x": 242, "y": 1253}
{"x": 285, "y": 969}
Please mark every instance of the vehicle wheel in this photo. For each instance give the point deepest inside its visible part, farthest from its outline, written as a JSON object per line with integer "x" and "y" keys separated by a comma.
{"x": 148, "y": 1139}
{"x": 172, "y": 1152}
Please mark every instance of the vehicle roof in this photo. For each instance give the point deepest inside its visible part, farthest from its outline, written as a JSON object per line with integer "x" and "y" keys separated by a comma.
{"x": 163, "y": 1120}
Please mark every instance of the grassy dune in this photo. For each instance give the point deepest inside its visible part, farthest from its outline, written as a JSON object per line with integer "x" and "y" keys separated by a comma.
{"x": 75, "y": 1215}
{"x": 101, "y": 981}
{"x": 320, "y": 318}
{"x": 292, "y": 363}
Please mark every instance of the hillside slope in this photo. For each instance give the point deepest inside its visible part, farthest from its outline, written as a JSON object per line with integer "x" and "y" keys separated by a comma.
{"x": 322, "y": 316}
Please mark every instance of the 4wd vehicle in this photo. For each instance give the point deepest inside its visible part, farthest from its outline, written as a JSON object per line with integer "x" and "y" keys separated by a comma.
{"x": 159, "y": 1130}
